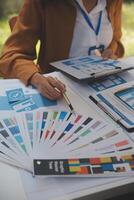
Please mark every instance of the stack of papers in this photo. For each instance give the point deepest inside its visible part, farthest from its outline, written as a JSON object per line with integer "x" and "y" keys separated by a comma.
{"x": 60, "y": 143}
{"x": 118, "y": 102}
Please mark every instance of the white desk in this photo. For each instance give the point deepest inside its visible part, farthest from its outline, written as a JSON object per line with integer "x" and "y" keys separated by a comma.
{"x": 10, "y": 184}
{"x": 11, "y": 187}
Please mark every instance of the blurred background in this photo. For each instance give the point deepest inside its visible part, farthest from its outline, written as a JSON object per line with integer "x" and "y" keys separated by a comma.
{"x": 11, "y": 7}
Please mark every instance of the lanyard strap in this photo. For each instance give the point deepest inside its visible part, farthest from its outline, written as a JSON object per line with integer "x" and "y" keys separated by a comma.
{"x": 88, "y": 20}
{"x": 100, "y": 48}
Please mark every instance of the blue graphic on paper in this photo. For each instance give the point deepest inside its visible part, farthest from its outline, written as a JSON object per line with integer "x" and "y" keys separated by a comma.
{"x": 15, "y": 101}
{"x": 15, "y": 95}
{"x": 79, "y": 63}
{"x": 116, "y": 110}
{"x": 107, "y": 83}
{"x": 25, "y": 105}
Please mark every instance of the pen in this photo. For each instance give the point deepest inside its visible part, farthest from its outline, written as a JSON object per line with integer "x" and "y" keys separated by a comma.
{"x": 66, "y": 99}
{"x": 114, "y": 116}
{"x": 68, "y": 102}
{"x": 104, "y": 73}
{"x": 104, "y": 109}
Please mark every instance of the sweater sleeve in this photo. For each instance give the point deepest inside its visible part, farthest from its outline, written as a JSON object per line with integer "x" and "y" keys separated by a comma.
{"x": 19, "y": 52}
{"x": 116, "y": 44}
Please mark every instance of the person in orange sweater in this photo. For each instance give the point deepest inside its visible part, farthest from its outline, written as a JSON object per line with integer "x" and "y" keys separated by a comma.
{"x": 66, "y": 29}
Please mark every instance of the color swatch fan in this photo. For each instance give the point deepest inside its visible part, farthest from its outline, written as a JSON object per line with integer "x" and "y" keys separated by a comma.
{"x": 60, "y": 143}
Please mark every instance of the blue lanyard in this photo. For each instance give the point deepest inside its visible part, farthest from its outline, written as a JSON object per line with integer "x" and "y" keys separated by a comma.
{"x": 88, "y": 20}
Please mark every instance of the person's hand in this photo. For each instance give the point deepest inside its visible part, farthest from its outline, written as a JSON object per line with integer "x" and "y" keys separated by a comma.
{"x": 108, "y": 54}
{"x": 49, "y": 87}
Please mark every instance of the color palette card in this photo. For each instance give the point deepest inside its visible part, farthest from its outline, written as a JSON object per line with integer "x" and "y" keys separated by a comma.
{"x": 97, "y": 143}
{"x": 52, "y": 138}
{"x": 103, "y": 166}
{"x": 65, "y": 130}
{"x": 13, "y": 142}
{"x": 78, "y": 135}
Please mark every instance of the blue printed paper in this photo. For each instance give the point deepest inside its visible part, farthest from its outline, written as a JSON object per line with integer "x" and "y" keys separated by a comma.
{"x": 15, "y": 95}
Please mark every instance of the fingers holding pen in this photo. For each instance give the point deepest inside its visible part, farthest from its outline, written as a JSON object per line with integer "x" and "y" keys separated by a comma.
{"x": 53, "y": 88}
{"x": 57, "y": 84}
{"x": 48, "y": 86}
{"x": 49, "y": 91}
